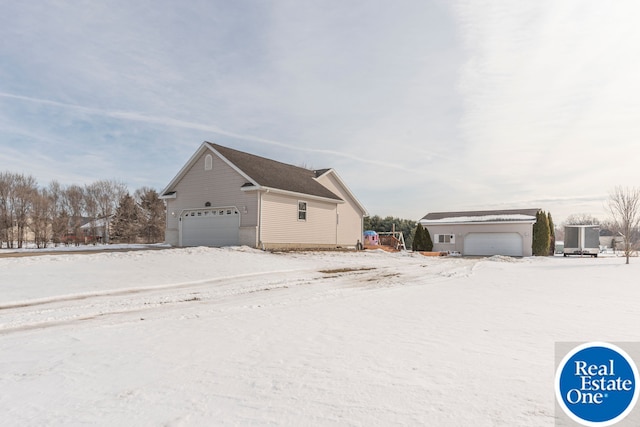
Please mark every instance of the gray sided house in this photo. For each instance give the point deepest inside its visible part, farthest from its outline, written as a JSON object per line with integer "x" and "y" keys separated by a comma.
{"x": 225, "y": 197}
{"x": 483, "y": 233}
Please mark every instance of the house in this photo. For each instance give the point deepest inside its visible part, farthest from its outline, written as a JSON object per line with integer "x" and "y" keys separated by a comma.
{"x": 491, "y": 232}
{"x": 95, "y": 230}
{"x": 611, "y": 239}
{"x": 226, "y": 197}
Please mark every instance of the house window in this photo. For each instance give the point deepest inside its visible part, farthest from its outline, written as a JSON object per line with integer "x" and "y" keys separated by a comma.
{"x": 445, "y": 238}
{"x": 208, "y": 162}
{"x": 302, "y": 211}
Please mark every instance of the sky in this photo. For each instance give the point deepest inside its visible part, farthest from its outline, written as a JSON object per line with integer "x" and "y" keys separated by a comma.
{"x": 420, "y": 106}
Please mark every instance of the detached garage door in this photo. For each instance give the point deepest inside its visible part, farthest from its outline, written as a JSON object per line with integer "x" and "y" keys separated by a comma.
{"x": 210, "y": 227}
{"x": 493, "y": 244}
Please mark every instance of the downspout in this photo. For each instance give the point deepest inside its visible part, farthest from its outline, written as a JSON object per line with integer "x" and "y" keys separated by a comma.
{"x": 337, "y": 224}
{"x": 259, "y": 236}
{"x": 260, "y": 243}
{"x": 166, "y": 219}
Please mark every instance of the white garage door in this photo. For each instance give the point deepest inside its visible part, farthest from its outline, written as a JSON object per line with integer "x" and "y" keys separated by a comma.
{"x": 493, "y": 244}
{"x": 210, "y": 227}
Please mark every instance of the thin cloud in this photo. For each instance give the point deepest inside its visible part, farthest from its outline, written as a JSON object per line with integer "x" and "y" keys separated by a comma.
{"x": 171, "y": 122}
{"x": 418, "y": 105}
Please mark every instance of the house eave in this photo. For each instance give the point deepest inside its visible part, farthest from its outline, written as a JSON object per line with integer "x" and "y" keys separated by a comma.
{"x": 170, "y": 195}
{"x": 295, "y": 194}
{"x": 346, "y": 189}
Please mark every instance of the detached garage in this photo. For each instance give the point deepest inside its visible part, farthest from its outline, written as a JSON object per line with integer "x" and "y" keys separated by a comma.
{"x": 482, "y": 233}
{"x": 226, "y": 197}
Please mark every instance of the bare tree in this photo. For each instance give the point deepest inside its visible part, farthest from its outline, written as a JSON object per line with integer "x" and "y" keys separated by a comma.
{"x": 54, "y": 214}
{"x": 42, "y": 218}
{"x": 624, "y": 205}
{"x": 581, "y": 219}
{"x": 74, "y": 205}
{"x": 59, "y": 215}
{"x": 108, "y": 194}
{"x": 91, "y": 195}
{"x": 6, "y": 213}
{"x": 21, "y": 196}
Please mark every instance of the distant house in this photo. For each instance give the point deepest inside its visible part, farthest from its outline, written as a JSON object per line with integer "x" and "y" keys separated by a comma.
{"x": 611, "y": 239}
{"x": 95, "y": 230}
{"x": 492, "y": 232}
{"x": 225, "y": 197}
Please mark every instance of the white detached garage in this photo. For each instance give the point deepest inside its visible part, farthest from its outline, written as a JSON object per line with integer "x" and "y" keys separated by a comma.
{"x": 226, "y": 197}
{"x": 482, "y": 233}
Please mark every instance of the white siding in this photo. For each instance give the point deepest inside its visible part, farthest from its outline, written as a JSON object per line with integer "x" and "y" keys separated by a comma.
{"x": 280, "y": 224}
{"x": 349, "y": 230}
{"x": 221, "y": 186}
{"x": 460, "y": 231}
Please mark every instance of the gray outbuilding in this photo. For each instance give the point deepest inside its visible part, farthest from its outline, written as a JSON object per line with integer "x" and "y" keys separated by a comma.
{"x": 482, "y": 233}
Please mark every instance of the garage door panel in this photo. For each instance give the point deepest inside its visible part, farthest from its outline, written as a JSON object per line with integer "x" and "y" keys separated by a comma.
{"x": 210, "y": 227}
{"x": 487, "y": 244}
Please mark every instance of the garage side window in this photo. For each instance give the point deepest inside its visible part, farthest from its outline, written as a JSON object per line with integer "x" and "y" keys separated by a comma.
{"x": 302, "y": 211}
{"x": 208, "y": 162}
{"x": 445, "y": 238}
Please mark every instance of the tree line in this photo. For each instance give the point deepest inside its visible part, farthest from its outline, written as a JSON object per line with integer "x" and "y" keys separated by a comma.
{"x": 103, "y": 211}
{"x": 387, "y": 224}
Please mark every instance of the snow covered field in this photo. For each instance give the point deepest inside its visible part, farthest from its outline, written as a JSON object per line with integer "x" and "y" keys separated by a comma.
{"x": 235, "y": 336}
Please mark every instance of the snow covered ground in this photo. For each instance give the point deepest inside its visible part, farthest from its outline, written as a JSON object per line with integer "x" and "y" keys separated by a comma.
{"x": 235, "y": 336}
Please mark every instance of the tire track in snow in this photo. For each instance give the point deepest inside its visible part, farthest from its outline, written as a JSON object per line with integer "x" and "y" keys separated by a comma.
{"x": 37, "y": 314}
{"x": 64, "y": 310}
{"x": 138, "y": 290}
{"x": 67, "y": 309}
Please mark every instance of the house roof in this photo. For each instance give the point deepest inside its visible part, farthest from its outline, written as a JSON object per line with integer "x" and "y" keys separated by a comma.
{"x": 261, "y": 173}
{"x": 273, "y": 174}
{"x": 505, "y": 215}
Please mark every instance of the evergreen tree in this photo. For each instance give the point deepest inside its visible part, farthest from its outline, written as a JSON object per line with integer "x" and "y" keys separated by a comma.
{"x": 422, "y": 240}
{"x": 125, "y": 225}
{"x": 428, "y": 242}
{"x": 552, "y": 235}
{"x": 541, "y": 235}
{"x": 152, "y": 215}
{"x": 419, "y": 241}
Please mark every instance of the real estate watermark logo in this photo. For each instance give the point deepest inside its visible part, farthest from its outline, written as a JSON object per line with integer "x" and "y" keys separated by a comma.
{"x": 596, "y": 384}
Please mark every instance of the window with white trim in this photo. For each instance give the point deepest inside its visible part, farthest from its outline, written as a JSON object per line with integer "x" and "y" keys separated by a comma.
{"x": 302, "y": 211}
{"x": 208, "y": 162}
{"x": 445, "y": 238}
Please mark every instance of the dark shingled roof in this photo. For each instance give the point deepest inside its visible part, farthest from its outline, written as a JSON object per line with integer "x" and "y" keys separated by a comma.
{"x": 276, "y": 175}
{"x": 441, "y": 215}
